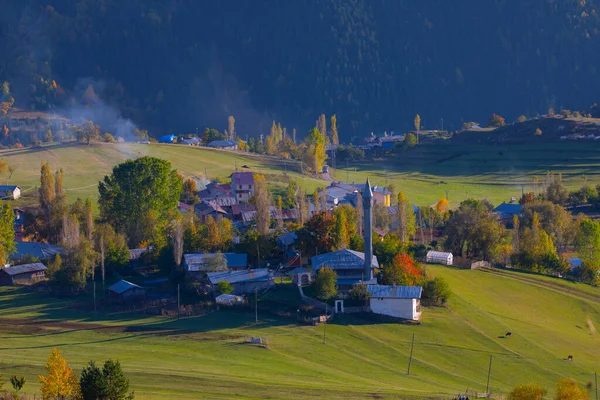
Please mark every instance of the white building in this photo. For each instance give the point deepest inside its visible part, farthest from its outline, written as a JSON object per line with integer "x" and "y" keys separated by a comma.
{"x": 439, "y": 257}
{"x": 396, "y": 301}
{"x": 8, "y": 192}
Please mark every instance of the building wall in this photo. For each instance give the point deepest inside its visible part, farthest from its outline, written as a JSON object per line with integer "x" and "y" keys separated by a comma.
{"x": 16, "y": 193}
{"x": 399, "y": 308}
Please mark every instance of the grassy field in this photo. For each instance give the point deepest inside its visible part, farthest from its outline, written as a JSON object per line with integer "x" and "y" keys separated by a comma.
{"x": 204, "y": 357}
{"x": 496, "y": 172}
{"x": 85, "y": 165}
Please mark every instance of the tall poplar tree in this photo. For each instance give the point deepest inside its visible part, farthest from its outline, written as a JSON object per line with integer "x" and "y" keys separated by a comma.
{"x": 263, "y": 204}
{"x": 335, "y": 140}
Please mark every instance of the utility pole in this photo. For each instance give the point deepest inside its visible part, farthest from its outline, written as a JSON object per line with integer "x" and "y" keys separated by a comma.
{"x": 487, "y": 388}
{"x": 596, "y": 379}
{"x": 256, "y": 306}
{"x": 412, "y": 346}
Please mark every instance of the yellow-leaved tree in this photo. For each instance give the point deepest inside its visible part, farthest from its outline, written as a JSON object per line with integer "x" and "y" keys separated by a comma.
{"x": 60, "y": 381}
{"x": 568, "y": 389}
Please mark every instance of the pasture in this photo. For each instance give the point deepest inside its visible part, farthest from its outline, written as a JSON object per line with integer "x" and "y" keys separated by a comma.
{"x": 204, "y": 357}
{"x": 496, "y": 172}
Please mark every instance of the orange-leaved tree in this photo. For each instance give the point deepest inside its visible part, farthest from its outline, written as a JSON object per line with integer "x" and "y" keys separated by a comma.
{"x": 402, "y": 271}
{"x": 60, "y": 381}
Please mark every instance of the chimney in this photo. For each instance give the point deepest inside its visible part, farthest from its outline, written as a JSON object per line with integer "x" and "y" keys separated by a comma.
{"x": 367, "y": 197}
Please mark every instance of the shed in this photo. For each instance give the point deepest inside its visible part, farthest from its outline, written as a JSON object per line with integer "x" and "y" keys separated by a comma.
{"x": 22, "y": 274}
{"x": 167, "y": 139}
{"x": 396, "y": 301}
{"x": 439, "y": 257}
{"x": 126, "y": 291}
{"x": 244, "y": 281}
{"x": 197, "y": 262}
{"x": 10, "y": 192}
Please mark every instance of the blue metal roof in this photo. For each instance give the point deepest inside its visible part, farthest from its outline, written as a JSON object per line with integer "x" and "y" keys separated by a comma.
{"x": 21, "y": 269}
{"x": 195, "y": 261}
{"x": 222, "y": 143}
{"x": 8, "y": 187}
{"x": 123, "y": 286}
{"x": 287, "y": 239}
{"x": 395, "y": 292}
{"x": 342, "y": 259}
{"x": 166, "y": 139}
{"x": 243, "y": 276}
{"x": 41, "y": 251}
{"x": 509, "y": 209}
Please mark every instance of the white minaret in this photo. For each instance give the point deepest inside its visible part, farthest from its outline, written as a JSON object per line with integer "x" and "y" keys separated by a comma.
{"x": 367, "y": 198}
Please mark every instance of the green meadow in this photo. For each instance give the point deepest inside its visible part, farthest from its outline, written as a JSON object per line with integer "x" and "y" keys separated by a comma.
{"x": 206, "y": 357}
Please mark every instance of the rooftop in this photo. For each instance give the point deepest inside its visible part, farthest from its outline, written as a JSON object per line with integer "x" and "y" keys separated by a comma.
{"x": 395, "y": 292}
{"x": 8, "y": 187}
{"x": 243, "y": 276}
{"x": 41, "y": 251}
{"x": 196, "y": 261}
{"x": 242, "y": 178}
{"x": 342, "y": 259}
{"x": 508, "y": 209}
{"x": 222, "y": 143}
{"x": 21, "y": 269}
{"x": 123, "y": 286}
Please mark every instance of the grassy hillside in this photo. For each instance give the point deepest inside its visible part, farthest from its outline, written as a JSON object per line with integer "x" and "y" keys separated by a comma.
{"x": 85, "y": 165}
{"x": 496, "y": 172}
{"x": 202, "y": 357}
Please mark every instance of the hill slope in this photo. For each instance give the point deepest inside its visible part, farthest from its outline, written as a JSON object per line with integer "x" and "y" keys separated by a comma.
{"x": 202, "y": 356}
{"x": 374, "y": 63}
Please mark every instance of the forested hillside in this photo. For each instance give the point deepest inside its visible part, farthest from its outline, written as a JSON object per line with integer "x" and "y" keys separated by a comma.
{"x": 181, "y": 64}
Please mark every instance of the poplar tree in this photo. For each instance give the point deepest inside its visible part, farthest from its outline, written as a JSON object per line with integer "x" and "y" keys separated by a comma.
{"x": 263, "y": 204}
{"x": 406, "y": 218}
{"x": 7, "y": 232}
{"x": 316, "y": 200}
{"x": 340, "y": 232}
{"x": 334, "y": 131}
{"x": 231, "y": 127}
{"x": 47, "y": 192}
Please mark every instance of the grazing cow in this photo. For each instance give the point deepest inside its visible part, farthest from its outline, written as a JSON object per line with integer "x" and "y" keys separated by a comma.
{"x": 508, "y": 334}
{"x": 570, "y": 358}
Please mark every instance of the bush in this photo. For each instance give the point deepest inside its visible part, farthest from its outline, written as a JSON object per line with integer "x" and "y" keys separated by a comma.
{"x": 108, "y": 138}
{"x": 528, "y": 391}
{"x": 522, "y": 118}
{"x": 359, "y": 294}
{"x": 495, "y": 121}
{"x": 565, "y": 113}
{"x": 436, "y": 292}
{"x": 224, "y": 287}
{"x": 576, "y": 114}
{"x": 538, "y": 132}
{"x": 325, "y": 284}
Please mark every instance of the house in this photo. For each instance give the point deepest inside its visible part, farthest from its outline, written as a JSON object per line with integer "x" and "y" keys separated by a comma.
{"x": 126, "y": 291}
{"x": 243, "y": 281}
{"x": 224, "y": 144}
{"x": 337, "y": 192}
{"x": 506, "y": 211}
{"x": 194, "y": 141}
{"x": 242, "y": 186}
{"x": 22, "y": 274}
{"x": 18, "y": 224}
{"x": 10, "y": 192}
{"x": 396, "y": 301}
{"x": 36, "y": 250}
{"x": 167, "y": 139}
{"x": 135, "y": 255}
{"x": 219, "y": 193}
{"x": 575, "y": 263}
{"x": 287, "y": 240}
{"x": 349, "y": 266}
{"x": 238, "y": 211}
{"x": 199, "y": 262}
{"x": 209, "y": 207}
{"x": 439, "y": 257}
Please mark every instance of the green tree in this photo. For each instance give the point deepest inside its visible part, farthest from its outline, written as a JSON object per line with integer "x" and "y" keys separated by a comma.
{"x": 262, "y": 199}
{"x": 386, "y": 249}
{"x": 325, "y": 283}
{"x": 554, "y": 219}
{"x": 92, "y": 383}
{"x": 8, "y": 244}
{"x": 87, "y": 132}
{"x": 17, "y": 384}
{"x": 342, "y": 239}
{"x": 556, "y": 192}
{"x": 436, "y": 291}
{"x": 359, "y": 293}
{"x": 116, "y": 382}
{"x": 135, "y": 190}
{"x": 536, "y": 249}
{"x": 224, "y": 287}
{"x": 587, "y": 243}
{"x": 47, "y": 194}
{"x": 527, "y": 391}
{"x": 382, "y": 217}
{"x": 406, "y": 219}
{"x": 410, "y": 140}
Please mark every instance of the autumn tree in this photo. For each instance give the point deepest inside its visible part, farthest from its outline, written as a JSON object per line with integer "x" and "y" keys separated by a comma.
{"x": 442, "y": 206}
{"x": 317, "y": 235}
{"x": 341, "y": 237}
{"x": 47, "y": 193}
{"x": 87, "y": 132}
{"x": 262, "y": 200}
{"x": 402, "y": 271}
{"x": 315, "y": 155}
{"x": 60, "y": 381}
{"x": 496, "y": 121}
{"x": 177, "y": 241}
{"x": 316, "y": 199}
{"x": 335, "y": 139}
{"x": 386, "y": 249}
{"x": 569, "y": 389}
{"x": 417, "y": 123}
{"x": 554, "y": 219}
{"x": 527, "y": 391}
{"x": 410, "y": 140}
{"x": 231, "y": 127}
{"x": 189, "y": 194}
{"x": 325, "y": 283}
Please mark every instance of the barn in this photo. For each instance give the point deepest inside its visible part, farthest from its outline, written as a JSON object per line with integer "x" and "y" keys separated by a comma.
{"x": 396, "y": 301}
{"x": 244, "y": 281}
{"x": 22, "y": 274}
{"x": 439, "y": 257}
{"x": 126, "y": 291}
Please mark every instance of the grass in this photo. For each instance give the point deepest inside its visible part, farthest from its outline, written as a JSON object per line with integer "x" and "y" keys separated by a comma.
{"x": 85, "y": 165}
{"x": 203, "y": 357}
{"x": 496, "y": 172}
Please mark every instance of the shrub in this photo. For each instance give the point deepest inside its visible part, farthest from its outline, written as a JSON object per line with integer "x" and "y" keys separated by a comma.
{"x": 569, "y": 389}
{"x": 325, "y": 284}
{"x": 576, "y": 114}
{"x": 527, "y": 391}
{"x": 436, "y": 292}
{"x": 359, "y": 293}
{"x": 496, "y": 121}
{"x": 522, "y": 118}
{"x": 565, "y": 113}
{"x": 224, "y": 287}
{"x": 108, "y": 138}
{"x": 538, "y": 132}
